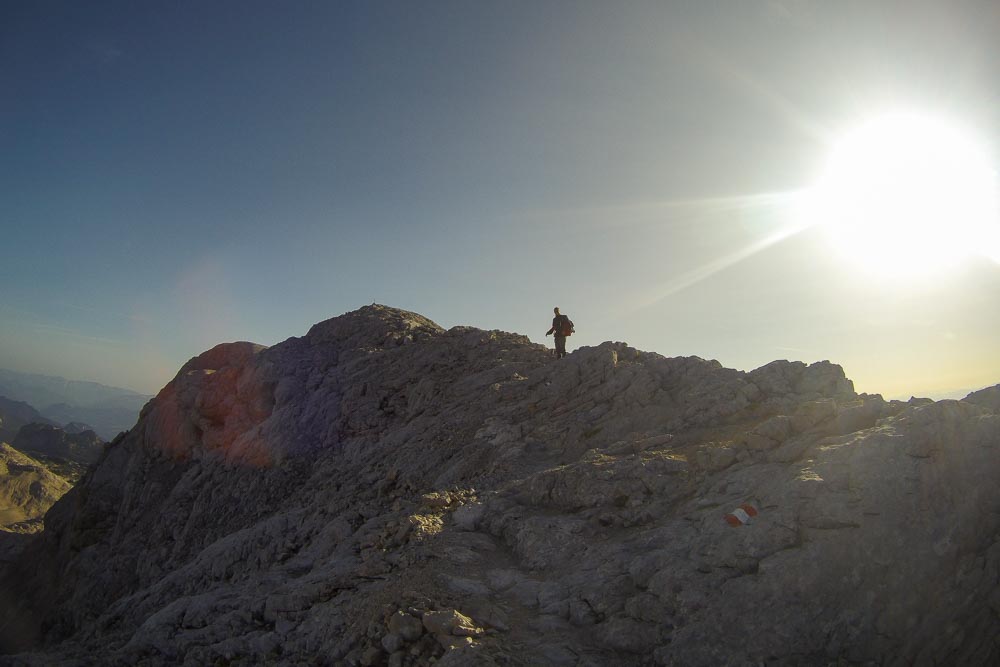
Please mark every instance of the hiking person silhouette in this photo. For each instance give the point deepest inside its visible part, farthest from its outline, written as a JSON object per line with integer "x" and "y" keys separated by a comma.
{"x": 562, "y": 326}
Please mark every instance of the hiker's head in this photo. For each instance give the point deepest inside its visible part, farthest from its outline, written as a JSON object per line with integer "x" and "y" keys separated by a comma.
{"x": 556, "y": 310}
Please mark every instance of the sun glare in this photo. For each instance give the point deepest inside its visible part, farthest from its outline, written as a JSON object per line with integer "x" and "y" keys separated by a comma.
{"x": 908, "y": 194}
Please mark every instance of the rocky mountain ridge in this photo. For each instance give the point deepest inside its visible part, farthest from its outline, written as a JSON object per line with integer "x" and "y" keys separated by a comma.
{"x": 54, "y": 442}
{"x": 16, "y": 414}
{"x": 383, "y": 491}
{"x": 65, "y": 453}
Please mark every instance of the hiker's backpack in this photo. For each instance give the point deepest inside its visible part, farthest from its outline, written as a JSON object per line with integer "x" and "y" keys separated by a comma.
{"x": 565, "y": 326}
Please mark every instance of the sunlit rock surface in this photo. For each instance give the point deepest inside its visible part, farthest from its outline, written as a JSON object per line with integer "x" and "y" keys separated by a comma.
{"x": 27, "y": 490}
{"x": 384, "y": 492}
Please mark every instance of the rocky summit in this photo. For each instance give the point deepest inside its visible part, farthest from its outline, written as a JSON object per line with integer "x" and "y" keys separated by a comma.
{"x": 385, "y": 492}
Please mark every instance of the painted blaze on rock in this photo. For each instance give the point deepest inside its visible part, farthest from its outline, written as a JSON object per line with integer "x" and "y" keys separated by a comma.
{"x": 741, "y": 515}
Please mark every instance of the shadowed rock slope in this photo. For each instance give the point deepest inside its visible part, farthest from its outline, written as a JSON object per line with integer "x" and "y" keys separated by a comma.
{"x": 57, "y": 443}
{"x": 381, "y": 491}
{"x": 65, "y": 453}
{"x": 14, "y": 415}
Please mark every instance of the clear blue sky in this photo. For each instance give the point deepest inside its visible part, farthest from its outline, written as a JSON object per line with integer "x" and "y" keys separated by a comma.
{"x": 177, "y": 174}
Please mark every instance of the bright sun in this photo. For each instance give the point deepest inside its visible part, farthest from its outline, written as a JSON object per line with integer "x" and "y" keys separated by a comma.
{"x": 908, "y": 194}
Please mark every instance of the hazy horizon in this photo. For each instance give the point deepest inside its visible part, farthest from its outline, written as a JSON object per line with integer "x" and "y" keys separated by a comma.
{"x": 181, "y": 175}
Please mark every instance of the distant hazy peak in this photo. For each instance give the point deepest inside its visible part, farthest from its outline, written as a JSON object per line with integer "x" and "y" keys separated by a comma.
{"x": 107, "y": 409}
{"x": 54, "y": 382}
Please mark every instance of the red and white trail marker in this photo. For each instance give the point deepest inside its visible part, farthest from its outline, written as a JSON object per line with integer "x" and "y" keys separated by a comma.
{"x": 741, "y": 515}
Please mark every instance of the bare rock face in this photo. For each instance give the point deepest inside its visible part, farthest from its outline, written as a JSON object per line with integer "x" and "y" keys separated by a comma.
{"x": 385, "y": 492}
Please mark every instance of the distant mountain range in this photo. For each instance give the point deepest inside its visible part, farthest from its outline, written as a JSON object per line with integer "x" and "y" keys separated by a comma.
{"x": 14, "y": 415}
{"x": 109, "y": 410}
{"x": 65, "y": 451}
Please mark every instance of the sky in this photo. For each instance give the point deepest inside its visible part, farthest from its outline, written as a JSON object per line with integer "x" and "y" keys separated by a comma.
{"x": 178, "y": 174}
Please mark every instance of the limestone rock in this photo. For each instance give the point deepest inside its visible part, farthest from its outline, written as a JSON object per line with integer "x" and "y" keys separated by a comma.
{"x": 988, "y": 398}
{"x": 27, "y": 490}
{"x": 406, "y": 626}
{"x": 384, "y": 491}
{"x": 450, "y": 622}
{"x": 468, "y": 517}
